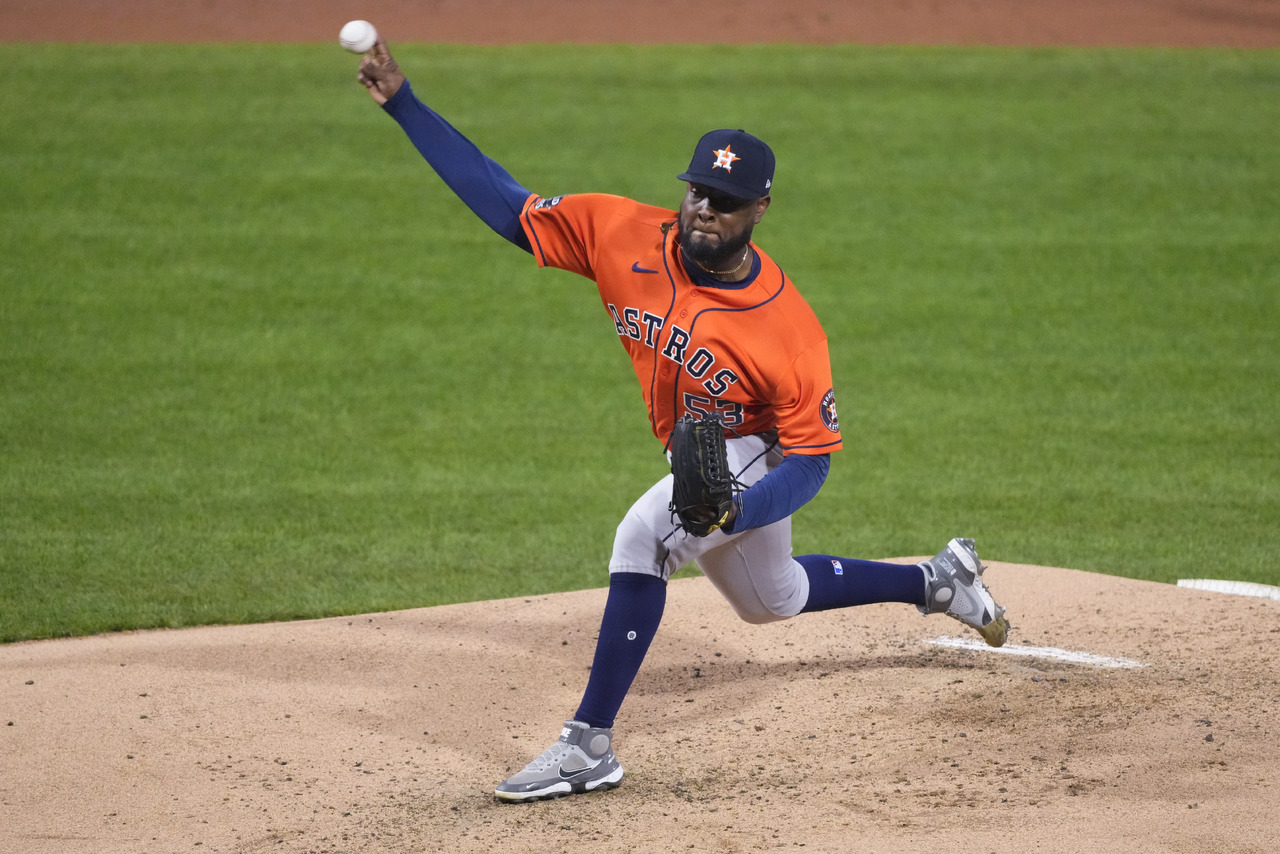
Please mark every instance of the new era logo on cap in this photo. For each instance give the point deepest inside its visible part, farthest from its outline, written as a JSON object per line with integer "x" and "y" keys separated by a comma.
{"x": 733, "y": 162}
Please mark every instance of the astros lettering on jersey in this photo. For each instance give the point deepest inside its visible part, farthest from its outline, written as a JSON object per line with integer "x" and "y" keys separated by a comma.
{"x": 695, "y": 350}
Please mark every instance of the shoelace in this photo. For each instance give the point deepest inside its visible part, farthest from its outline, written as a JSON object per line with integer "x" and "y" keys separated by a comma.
{"x": 549, "y": 757}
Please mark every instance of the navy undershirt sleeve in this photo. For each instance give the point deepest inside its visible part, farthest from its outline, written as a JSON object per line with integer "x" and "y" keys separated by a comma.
{"x": 483, "y": 185}
{"x": 781, "y": 492}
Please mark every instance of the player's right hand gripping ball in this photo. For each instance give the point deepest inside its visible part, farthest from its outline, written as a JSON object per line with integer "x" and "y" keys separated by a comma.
{"x": 704, "y": 488}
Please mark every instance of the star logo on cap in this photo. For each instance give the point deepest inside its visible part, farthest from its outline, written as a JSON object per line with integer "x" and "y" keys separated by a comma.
{"x": 724, "y": 159}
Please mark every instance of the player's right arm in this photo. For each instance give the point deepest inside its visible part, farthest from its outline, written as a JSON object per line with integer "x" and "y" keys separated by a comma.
{"x": 483, "y": 185}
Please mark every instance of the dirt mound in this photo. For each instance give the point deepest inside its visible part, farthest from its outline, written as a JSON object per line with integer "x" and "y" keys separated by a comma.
{"x": 838, "y": 731}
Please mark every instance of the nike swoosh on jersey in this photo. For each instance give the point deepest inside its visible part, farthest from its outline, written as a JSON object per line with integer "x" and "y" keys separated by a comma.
{"x": 636, "y": 268}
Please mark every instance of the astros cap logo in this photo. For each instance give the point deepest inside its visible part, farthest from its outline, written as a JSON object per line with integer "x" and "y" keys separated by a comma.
{"x": 733, "y": 162}
{"x": 724, "y": 159}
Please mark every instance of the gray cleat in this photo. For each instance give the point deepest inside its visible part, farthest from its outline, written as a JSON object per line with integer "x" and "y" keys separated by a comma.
{"x": 580, "y": 761}
{"x": 953, "y": 584}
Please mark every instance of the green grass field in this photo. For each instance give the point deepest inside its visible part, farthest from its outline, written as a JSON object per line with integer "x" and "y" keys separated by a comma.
{"x": 257, "y": 363}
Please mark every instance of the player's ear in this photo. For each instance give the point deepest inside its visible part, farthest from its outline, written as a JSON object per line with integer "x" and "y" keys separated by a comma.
{"x": 762, "y": 205}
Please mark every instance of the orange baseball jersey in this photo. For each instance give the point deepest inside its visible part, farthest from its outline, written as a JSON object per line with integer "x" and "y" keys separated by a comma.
{"x": 752, "y": 352}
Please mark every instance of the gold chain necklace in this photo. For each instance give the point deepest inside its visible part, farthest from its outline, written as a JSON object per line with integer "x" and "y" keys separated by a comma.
{"x": 746, "y": 253}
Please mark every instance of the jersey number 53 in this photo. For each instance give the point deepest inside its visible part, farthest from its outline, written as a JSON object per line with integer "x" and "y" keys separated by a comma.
{"x": 730, "y": 411}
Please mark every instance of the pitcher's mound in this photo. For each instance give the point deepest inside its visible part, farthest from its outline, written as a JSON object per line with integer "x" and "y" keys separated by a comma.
{"x": 1121, "y": 716}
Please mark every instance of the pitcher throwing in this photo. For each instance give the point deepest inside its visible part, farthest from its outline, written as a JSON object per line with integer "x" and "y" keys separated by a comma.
{"x": 714, "y": 329}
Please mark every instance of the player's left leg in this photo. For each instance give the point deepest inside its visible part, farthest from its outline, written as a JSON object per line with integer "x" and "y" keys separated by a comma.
{"x": 581, "y": 760}
{"x": 648, "y": 548}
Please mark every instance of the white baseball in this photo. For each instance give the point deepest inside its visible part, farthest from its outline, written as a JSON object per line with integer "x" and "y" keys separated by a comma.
{"x": 358, "y": 36}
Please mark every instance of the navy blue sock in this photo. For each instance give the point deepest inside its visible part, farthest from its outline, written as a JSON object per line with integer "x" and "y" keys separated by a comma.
{"x": 840, "y": 582}
{"x": 631, "y": 616}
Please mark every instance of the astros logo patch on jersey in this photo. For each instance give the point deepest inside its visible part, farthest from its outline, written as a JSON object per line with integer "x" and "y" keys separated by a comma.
{"x": 828, "y": 408}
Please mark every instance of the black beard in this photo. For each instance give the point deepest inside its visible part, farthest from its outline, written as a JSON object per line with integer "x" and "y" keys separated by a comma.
{"x": 714, "y": 257}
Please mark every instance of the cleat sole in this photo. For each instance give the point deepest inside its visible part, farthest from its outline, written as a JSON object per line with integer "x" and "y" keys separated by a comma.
{"x": 996, "y": 632}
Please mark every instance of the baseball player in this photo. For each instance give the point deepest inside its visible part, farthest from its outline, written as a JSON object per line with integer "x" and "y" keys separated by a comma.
{"x": 713, "y": 326}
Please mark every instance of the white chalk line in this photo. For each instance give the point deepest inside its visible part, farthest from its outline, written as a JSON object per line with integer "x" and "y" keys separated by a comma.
{"x": 1067, "y": 655}
{"x": 1236, "y": 588}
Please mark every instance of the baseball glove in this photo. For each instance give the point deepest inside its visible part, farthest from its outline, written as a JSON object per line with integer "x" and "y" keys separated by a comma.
{"x": 704, "y": 488}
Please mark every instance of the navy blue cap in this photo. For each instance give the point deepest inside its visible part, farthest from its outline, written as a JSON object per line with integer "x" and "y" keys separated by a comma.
{"x": 733, "y": 162}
